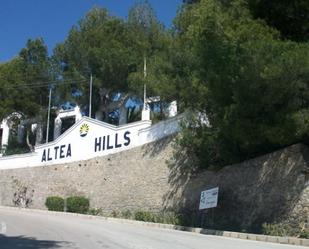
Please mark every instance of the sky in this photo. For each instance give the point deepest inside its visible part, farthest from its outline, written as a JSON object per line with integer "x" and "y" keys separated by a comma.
{"x": 21, "y": 20}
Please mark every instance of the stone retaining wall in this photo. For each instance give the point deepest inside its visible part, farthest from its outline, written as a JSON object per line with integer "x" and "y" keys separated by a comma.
{"x": 271, "y": 188}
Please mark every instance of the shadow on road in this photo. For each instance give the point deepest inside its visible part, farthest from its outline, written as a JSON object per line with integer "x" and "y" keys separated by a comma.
{"x": 21, "y": 242}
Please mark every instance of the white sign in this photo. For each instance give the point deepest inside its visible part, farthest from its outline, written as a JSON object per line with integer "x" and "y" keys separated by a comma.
{"x": 90, "y": 138}
{"x": 209, "y": 198}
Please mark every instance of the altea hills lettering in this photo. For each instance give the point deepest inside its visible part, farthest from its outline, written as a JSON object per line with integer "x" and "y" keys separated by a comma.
{"x": 102, "y": 143}
{"x": 109, "y": 142}
{"x": 58, "y": 152}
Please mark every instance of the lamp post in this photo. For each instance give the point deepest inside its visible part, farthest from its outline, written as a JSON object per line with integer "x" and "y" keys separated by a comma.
{"x": 90, "y": 95}
{"x": 48, "y": 115}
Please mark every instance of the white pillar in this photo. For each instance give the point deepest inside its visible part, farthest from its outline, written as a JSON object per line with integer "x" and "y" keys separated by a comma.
{"x": 20, "y": 133}
{"x": 39, "y": 134}
{"x": 57, "y": 128}
{"x": 146, "y": 112}
{"x": 123, "y": 115}
{"x": 78, "y": 114}
{"x": 172, "y": 109}
{"x": 5, "y": 133}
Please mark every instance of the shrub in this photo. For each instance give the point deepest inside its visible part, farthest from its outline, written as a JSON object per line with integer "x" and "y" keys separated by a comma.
{"x": 144, "y": 216}
{"x": 280, "y": 229}
{"x": 78, "y": 204}
{"x": 95, "y": 211}
{"x": 304, "y": 234}
{"x": 169, "y": 218}
{"x": 126, "y": 214}
{"x": 54, "y": 203}
{"x": 115, "y": 214}
{"x": 275, "y": 229}
{"x": 161, "y": 217}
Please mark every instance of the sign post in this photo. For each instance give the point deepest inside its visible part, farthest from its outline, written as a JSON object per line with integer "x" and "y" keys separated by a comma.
{"x": 208, "y": 199}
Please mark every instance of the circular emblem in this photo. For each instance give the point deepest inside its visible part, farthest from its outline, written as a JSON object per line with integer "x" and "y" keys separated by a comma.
{"x": 83, "y": 131}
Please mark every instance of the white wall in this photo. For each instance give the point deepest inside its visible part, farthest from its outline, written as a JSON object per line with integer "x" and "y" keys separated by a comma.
{"x": 5, "y": 132}
{"x": 160, "y": 130}
{"x": 18, "y": 161}
{"x": 90, "y": 138}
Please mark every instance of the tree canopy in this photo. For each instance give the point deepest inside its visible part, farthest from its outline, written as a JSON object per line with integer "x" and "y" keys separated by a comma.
{"x": 252, "y": 83}
{"x": 240, "y": 67}
{"x": 20, "y": 78}
{"x": 291, "y": 18}
{"x": 112, "y": 49}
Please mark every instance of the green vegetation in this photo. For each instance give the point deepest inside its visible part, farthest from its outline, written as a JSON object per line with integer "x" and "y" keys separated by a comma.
{"x": 77, "y": 204}
{"x": 251, "y": 84}
{"x": 304, "y": 234}
{"x": 276, "y": 229}
{"x": 289, "y": 17}
{"x": 243, "y": 64}
{"x": 55, "y": 203}
{"x": 95, "y": 211}
{"x": 285, "y": 230}
{"x": 80, "y": 204}
{"x": 74, "y": 204}
{"x": 126, "y": 214}
{"x": 161, "y": 217}
{"x": 144, "y": 216}
{"x": 14, "y": 147}
{"x": 148, "y": 216}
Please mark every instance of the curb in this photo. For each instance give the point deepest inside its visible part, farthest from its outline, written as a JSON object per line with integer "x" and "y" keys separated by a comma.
{"x": 235, "y": 235}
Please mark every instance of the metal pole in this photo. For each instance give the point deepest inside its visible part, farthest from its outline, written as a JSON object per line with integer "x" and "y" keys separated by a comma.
{"x": 145, "y": 104}
{"x": 48, "y": 115}
{"x": 90, "y": 96}
{"x": 145, "y": 75}
{"x": 145, "y": 67}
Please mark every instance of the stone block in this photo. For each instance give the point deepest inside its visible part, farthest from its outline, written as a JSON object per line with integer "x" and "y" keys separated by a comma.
{"x": 273, "y": 239}
{"x": 252, "y": 236}
{"x": 261, "y": 237}
{"x": 243, "y": 236}
{"x": 294, "y": 241}
{"x": 234, "y": 235}
{"x": 226, "y": 234}
{"x": 283, "y": 240}
{"x": 304, "y": 242}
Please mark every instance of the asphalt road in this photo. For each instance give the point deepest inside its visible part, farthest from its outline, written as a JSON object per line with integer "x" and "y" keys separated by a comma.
{"x": 25, "y": 230}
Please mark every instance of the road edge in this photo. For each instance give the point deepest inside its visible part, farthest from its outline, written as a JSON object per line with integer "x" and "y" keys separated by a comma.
{"x": 229, "y": 234}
